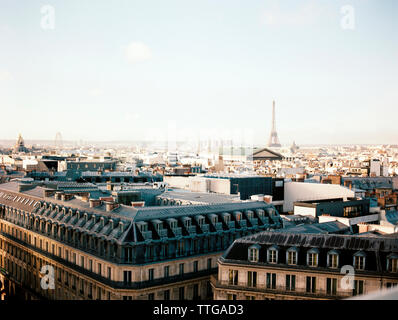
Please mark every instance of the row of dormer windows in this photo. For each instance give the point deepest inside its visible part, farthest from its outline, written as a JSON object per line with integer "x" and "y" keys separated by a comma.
{"x": 359, "y": 258}
{"x": 60, "y": 251}
{"x": 187, "y": 221}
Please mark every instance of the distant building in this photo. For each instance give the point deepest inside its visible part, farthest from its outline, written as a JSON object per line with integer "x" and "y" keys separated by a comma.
{"x": 303, "y": 191}
{"x": 20, "y": 145}
{"x": 349, "y": 207}
{"x": 91, "y": 165}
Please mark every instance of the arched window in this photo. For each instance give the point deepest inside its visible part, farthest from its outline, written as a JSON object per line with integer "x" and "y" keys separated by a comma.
{"x": 312, "y": 257}
{"x": 272, "y": 254}
{"x": 253, "y": 253}
{"x": 291, "y": 256}
{"x": 359, "y": 260}
{"x": 333, "y": 259}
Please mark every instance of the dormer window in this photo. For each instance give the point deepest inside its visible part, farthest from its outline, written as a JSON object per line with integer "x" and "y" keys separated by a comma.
{"x": 261, "y": 213}
{"x": 173, "y": 224}
{"x": 143, "y": 227}
{"x": 249, "y": 214}
{"x": 272, "y": 254}
{"x": 291, "y": 256}
{"x": 333, "y": 259}
{"x": 187, "y": 223}
{"x": 227, "y": 218}
{"x": 238, "y": 216}
{"x": 214, "y": 219}
{"x": 201, "y": 220}
{"x": 359, "y": 260}
{"x": 253, "y": 253}
{"x": 312, "y": 257}
{"x": 392, "y": 263}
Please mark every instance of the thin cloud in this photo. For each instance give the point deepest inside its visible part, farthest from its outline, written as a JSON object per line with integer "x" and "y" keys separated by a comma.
{"x": 138, "y": 52}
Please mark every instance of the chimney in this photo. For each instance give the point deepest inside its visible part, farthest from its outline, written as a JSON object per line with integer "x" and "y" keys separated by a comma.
{"x": 48, "y": 192}
{"x": 66, "y": 197}
{"x": 58, "y": 195}
{"x": 24, "y": 187}
{"x": 110, "y": 205}
{"x": 137, "y": 204}
{"x": 363, "y": 227}
{"x": 95, "y": 203}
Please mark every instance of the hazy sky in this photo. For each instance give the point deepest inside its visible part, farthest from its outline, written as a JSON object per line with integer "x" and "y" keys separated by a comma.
{"x": 125, "y": 70}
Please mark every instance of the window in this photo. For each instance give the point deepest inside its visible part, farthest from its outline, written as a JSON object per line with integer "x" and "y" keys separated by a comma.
{"x": 358, "y": 287}
{"x": 333, "y": 259}
{"x": 359, "y": 260}
{"x": 392, "y": 263}
{"x": 181, "y": 293}
{"x": 166, "y": 295}
{"x": 290, "y": 282}
{"x": 292, "y": 256}
{"x": 231, "y": 296}
{"x": 109, "y": 273}
{"x": 82, "y": 286}
{"x": 271, "y": 281}
{"x": 195, "y": 266}
{"x": 312, "y": 257}
{"x": 181, "y": 269}
{"x": 127, "y": 277}
{"x": 166, "y": 271}
{"x": 151, "y": 296}
{"x": 252, "y": 278}
{"x": 253, "y": 253}
{"x": 82, "y": 261}
{"x": 209, "y": 263}
{"x": 272, "y": 255}
{"x": 150, "y": 274}
{"x": 99, "y": 268}
{"x": 90, "y": 265}
{"x": 250, "y": 298}
{"x": 311, "y": 284}
{"x": 391, "y": 285}
{"x": 233, "y": 277}
{"x": 196, "y": 291}
{"x": 331, "y": 286}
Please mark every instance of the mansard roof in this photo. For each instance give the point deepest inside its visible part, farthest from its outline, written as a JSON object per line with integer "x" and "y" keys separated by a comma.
{"x": 237, "y": 251}
{"x": 79, "y": 216}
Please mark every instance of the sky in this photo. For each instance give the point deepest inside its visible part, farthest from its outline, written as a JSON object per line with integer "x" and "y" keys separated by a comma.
{"x": 131, "y": 70}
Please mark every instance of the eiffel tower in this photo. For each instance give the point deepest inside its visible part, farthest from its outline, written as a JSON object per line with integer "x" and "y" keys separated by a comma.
{"x": 273, "y": 139}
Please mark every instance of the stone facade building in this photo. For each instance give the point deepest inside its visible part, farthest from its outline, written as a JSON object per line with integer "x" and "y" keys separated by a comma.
{"x": 104, "y": 250}
{"x": 275, "y": 265}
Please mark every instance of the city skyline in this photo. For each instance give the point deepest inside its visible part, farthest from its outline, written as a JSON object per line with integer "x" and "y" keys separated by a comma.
{"x": 127, "y": 71}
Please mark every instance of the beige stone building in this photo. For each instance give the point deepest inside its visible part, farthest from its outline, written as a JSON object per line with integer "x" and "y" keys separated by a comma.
{"x": 274, "y": 265}
{"x": 101, "y": 250}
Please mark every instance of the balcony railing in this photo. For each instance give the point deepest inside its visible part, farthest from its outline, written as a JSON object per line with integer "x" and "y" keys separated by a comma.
{"x": 280, "y": 290}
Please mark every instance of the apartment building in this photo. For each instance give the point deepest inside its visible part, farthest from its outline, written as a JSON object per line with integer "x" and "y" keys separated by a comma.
{"x": 103, "y": 250}
{"x": 274, "y": 265}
